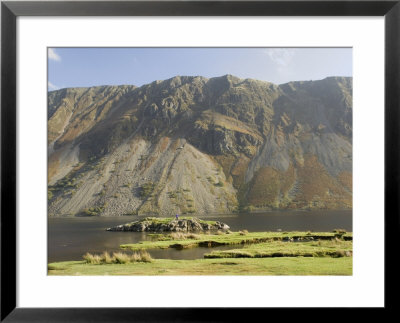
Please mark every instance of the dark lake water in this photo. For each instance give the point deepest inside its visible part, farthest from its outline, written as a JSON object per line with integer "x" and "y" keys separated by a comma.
{"x": 70, "y": 238}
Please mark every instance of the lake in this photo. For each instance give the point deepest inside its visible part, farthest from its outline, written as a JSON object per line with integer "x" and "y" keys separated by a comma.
{"x": 70, "y": 238}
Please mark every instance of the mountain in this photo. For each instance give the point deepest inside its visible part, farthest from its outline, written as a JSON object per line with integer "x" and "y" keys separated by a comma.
{"x": 201, "y": 146}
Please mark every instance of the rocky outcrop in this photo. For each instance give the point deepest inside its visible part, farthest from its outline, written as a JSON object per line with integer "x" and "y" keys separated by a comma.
{"x": 173, "y": 225}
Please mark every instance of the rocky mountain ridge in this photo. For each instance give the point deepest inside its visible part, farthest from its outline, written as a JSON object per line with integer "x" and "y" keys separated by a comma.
{"x": 199, "y": 146}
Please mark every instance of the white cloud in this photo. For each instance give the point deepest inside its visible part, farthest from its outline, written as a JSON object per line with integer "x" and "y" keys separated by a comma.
{"x": 51, "y": 86}
{"x": 53, "y": 55}
{"x": 281, "y": 56}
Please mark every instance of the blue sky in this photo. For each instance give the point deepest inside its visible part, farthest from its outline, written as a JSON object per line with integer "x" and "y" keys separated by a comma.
{"x": 83, "y": 67}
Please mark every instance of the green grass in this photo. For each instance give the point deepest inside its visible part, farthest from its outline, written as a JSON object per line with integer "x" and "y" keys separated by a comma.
{"x": 239, "y": 266}
{"x": 235, "y": 238}
{"x": 262, "y": 253}
{"x": 325, "y": 248}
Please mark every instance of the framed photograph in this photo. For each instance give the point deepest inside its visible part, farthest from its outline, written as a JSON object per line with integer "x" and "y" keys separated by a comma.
{"x": 186, "y": 160}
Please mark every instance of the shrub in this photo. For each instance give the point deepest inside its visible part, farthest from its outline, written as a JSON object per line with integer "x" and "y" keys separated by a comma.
{"x": 144, "y": 256}
{"x": 121, "y": 258}
{"x": 92, "y": 259}
{"x": 243, "y": 232}
{"x": 135, "y": 257}
{"x": 93, "y": 211}
{"x": 117, "y": 258}
{"x": 146, "y": 189}
{"x": 106, "y": 258}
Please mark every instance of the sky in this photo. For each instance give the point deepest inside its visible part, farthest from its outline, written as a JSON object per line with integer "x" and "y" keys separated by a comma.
{"x": 85, "y": 67}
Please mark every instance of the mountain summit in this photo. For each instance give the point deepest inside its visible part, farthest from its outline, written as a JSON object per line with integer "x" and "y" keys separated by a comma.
{"x": 198, "y": 145}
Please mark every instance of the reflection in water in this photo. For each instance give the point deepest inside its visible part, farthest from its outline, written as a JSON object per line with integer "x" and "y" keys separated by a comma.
{"x": 70, "y": 238}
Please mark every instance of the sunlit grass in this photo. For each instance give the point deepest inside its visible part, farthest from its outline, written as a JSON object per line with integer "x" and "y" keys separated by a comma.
{"x": 230, "y": 238}
{"x": 323, "y": 248}
{"x": 239, "y": 266}
{"x": 117, "y": 258}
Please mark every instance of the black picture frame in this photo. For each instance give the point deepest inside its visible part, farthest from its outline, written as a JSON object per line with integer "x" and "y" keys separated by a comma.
{"x": 10, "y": 10}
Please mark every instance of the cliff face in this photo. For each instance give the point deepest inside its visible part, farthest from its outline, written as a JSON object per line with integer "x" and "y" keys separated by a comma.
{"x": 197, "y": 145}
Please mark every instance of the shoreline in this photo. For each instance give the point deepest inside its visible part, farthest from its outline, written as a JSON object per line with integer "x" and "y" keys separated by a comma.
{"x": 265, "y": 253}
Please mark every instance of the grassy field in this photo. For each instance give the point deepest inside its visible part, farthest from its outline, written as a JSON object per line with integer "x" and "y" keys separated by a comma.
{"x": 238, "y": 266}
{"x": 261, "y": 253}
{"x": 326, "y": 248}
{"x": 234, "y": 238}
